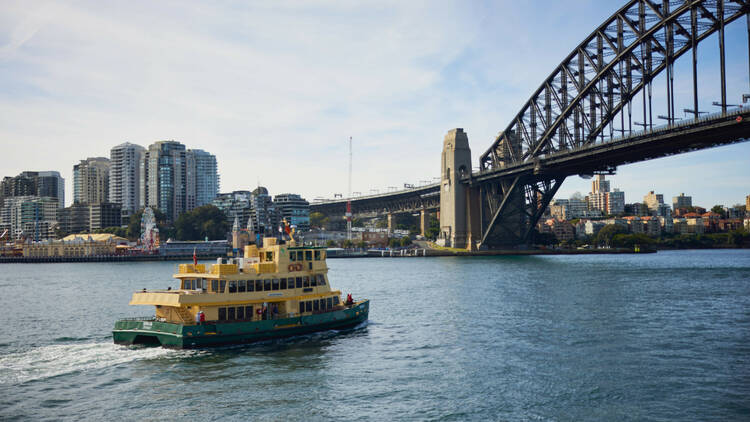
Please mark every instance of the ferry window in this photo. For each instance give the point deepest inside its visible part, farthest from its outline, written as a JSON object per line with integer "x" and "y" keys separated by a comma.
{"x": 214, "y": 286}
{"x": 317, "y": 255}
{"x": 301, "y": 307}
{"x": 249, "y": 312}
{"x": 308, "y": 306}
{"x": 200, "y": 284}
{"x": 222, "y": 314}
{"x": 313, "y": 283}
{"x": 316, "y": 305}
{"x": 241, "y": 286}
{"x": 292, "y": 256}
{"x": 186, "y": 284}
{"x": 267, "y": 284}
{"x": 240, "y": 312}
{"x": 299, "y": 282}
{"x": 329, "y": 303}
{"x": 321, "y": 279}
{"x": 250, "y": 285}
{"x": 222, "y": 286}
{"x": 258, "y": 285}
{"x": 232, "y": 286}
{"x": 335, "y": 300}
{"x": 322, "y": 304}
{"x": 231, "y": 315}
{"x": 269, "y": 256}
{"x": 306, "y": 281}
{"x": 275, "y": 284}
{"x": 283, "y": 284}
{"x": 308, "y": 255}
{"x": 299, "y": 255}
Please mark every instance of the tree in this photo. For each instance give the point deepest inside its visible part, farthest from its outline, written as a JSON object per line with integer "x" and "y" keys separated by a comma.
{"x": 434, "y": 230}
{"x": 361, "y": 244}
{"x": 203, "y": 222}
{"x": 318, "y": 220}
{"x": 718, "y": 209}
{"x": 117, "y": 231}
{"x": 405, "y": 241}
{"x": 605, "y": 235}
{"x": 348, "y": 244}
{"x": 394, "y": 243}
{"x": 330, "y": 244}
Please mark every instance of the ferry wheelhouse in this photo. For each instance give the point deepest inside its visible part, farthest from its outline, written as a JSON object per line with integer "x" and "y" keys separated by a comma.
{"x": 278, "y": 290}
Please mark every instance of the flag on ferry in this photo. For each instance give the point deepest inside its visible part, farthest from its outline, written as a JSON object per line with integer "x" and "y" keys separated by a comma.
{"x": 195, "y": 258}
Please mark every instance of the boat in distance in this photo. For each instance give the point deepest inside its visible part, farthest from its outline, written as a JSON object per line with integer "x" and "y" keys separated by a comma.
{"x": 275, "y": 291}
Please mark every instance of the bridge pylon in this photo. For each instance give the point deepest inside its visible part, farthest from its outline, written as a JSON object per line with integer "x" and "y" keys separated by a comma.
{"x": 455, "y": 165}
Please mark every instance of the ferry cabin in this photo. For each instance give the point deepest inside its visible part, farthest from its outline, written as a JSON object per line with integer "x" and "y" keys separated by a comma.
{"x": 276, "y": 281}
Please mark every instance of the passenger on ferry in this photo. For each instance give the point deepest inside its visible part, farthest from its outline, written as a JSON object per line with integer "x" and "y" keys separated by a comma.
{"x": 202, "y": 317}
{"x": 349, "y": 300}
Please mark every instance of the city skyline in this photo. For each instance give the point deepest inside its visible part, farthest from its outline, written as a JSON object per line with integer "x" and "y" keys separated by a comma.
{"x": 237, "y": 82}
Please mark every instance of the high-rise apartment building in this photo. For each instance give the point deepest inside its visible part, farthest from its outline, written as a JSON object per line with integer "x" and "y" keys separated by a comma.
{"x": 264, "y": 213}
{"x": 32, "y": 217}
{"x": 206, "y": 176}
{"x": 295, "y": 209}
{"x": 35, "y": 183}
{"x": 599, "y": 184}
{"x": 682, "y": 201}
{"x": 124, "y": 176}
{"x": 176, "y": 180}
{"x": 616, "y": 202}
{"x": 91, "y": 181}
{"x": 655, "y": 204}
{"x": 235, "y": 205}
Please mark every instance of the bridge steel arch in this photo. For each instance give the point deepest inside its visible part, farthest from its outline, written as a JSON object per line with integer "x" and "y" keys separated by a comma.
{"x": 592, "y": 92}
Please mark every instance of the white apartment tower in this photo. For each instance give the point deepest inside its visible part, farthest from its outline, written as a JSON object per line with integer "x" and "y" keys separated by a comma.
{"x": 124, "y": 176}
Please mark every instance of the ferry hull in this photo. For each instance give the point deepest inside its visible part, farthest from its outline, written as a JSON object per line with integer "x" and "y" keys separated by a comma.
{"x": 212, "y": 334}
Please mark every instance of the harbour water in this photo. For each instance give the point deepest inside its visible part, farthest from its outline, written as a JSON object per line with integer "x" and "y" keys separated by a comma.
{"x": 662, "y": 336}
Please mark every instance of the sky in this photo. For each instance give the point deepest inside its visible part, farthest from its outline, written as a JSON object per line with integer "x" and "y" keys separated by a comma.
{"x": 275, "y": 89}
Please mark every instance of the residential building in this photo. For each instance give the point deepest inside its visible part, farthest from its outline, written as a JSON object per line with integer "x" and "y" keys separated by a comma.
{"x": 652, "y": 201}
{"x": 235, "y": 204}
{"x": 682, "y": 201}
{"x": 615, "y": 202}
{"x": 105, "y": 214}
{"x": 599, "y": 184}
{"x": 265, "y": 216}
{"x": 176, "y": 180}
{"x": 124, "y": 177}
{"x": 35, "y": 183}
{"x": 695, "y": 225}
{"x": 206, "y": 176}
{"x": 31, "y": 217}
{"x": 75, "y": 218}
{"x": 667, "y": 224}
{"x": 593, "y": 227}
{"x": 91, "y": 181}
{"x": 295, "y": 209}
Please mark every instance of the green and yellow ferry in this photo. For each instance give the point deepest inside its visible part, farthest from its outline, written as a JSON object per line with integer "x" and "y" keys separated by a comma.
{"x": 278, "y": 290}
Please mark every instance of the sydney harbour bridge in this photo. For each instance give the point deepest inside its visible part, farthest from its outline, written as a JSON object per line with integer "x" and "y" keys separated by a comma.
{"x": 610, "y": 102}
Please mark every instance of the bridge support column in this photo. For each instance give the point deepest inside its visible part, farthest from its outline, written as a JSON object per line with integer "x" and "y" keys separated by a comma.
{"x": 473, "y": 218}
{"x": 390, "y": 224}
{"x": 456, "y": 163}
{"x": 424, "y": 221}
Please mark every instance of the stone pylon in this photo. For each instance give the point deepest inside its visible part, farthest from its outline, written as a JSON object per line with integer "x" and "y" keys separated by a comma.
{"x": 455, "y": 164}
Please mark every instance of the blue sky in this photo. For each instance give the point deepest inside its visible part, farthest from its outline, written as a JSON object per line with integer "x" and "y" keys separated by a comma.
{"x": 275, "y": 89}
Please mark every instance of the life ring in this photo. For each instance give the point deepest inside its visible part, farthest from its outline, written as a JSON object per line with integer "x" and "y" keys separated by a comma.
{"x": 739, "y": 119}
{"x": 299, "y": 267}
{"x": 291, "y": 267}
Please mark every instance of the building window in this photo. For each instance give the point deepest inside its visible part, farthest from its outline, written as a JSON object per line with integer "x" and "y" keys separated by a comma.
{"x": 267, "y": 284}
{"x": 299, "y": 255}
{"x": 275, "y": 284}
{"x": 308, "y": 255}
{"x": 313, "y": 283}
{"x": 222, "y": 314}
{"x": 317, "y": 255}
{"x": 232, "y": 286}
{"x": 299, "y": 282}
{"x": 240, "y": 312}
{"x": 232, "y": 315}
{"x": 283, "y": 284}
{"x": 241, "y": 286}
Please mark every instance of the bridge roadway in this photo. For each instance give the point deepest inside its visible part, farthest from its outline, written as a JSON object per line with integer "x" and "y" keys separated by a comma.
{"x": 695, "y": 134}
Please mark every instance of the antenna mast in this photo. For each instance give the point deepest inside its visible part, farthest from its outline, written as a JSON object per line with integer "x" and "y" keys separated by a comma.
{"x": 349, "y": 196}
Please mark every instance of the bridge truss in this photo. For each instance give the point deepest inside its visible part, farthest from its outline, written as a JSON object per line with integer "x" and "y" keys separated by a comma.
{"x": 589, "y": 99}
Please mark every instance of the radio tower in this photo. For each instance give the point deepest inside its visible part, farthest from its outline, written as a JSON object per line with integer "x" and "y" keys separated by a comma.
{"x": 349, "y": 196}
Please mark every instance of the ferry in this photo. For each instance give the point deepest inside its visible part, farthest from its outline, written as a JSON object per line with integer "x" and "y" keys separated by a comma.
{"x": 274, "y": 291}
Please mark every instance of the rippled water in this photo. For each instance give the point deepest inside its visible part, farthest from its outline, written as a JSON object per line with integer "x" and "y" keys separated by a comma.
{"x": 623, "y": 337}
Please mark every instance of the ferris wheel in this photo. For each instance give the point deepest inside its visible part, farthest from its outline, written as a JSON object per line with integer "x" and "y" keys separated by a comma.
{"x": 149, "y": 231}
